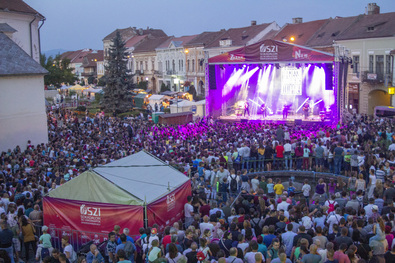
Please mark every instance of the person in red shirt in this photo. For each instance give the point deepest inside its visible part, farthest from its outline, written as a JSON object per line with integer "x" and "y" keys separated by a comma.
{"x": 204, "y": 209}
{"x": 340, "y": 256}
{"x": 167, "y": 238}
{"x": 280, "y": 155}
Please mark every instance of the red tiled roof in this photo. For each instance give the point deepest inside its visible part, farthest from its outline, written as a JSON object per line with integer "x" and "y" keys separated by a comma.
{"x": 205, "y": 38}
{"x": 76, "y": 56}
{"x": 134, "y": 41}
{"x": 302, "y": 32}
{"x": 178, "y": 41}
{"x": 330, "y": 31}
{"x": 370, "y": 26}
{"x": 129, "y": 32}
{"x": 239, "y": 36}
{"x": 150, "y": 44}
{"x": 92, "y": 58}
{"x": 18, "y": 6}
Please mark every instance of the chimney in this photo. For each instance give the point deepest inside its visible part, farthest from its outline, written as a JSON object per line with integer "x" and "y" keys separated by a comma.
{"x": 297, "y": 20}
{"x": 373, "y": 9}
{"x": 253, "y": 23}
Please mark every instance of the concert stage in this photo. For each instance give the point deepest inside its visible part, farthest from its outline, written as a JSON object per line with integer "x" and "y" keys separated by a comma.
{"x": 277, "y": 119}
{"x": 269, "y": 78}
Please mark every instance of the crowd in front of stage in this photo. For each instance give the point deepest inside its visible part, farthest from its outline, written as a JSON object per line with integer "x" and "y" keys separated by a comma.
{"x": 344, "y": 219}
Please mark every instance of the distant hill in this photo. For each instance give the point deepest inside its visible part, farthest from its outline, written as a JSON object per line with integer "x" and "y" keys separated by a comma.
{"x": 53, "y": 52}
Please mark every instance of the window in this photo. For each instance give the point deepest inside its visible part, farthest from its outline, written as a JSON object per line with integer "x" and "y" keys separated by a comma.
{"x": 182, "y": 65}
{"x": 141, "y": 66}
{"x": 179, "y": 65}
{"x": 146, "y": 65}
{"x": 153, "y": 65}
{"x": 380, "y": 67}
{"x": 188, "y": 66}
{"x": 355, "y": 64}
{"x": 167, "y": 65}
{"x": 174, "y": 65}
{"x": 371, "y": 63}
{"x": 388, "y": 64}
{"x": 193, "y": 65}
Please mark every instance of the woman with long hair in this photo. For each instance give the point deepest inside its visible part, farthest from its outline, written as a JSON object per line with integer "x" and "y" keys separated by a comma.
{"x": 378, "y": 230}
{"x": 225, "y": 243}
{"x": 372, "y": 182}
{"x": 29, "y": 239}
{"x": 379, "y": 189}
{"x": 173, "y": 255}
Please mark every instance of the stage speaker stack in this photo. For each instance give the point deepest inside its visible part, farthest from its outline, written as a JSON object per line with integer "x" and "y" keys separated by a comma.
{"x": 328, "y": 77}
{"x": 211, "y": 76}
{"x": 298, "y": 122}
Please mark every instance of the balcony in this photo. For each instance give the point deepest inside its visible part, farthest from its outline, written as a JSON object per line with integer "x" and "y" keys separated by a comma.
{"x": 157, "y": 72}
{"x": 373, "y": 78}
{"x": 88, "y": 74}
{"x": 171, "y": 72}
{"x": 140, "y": 72}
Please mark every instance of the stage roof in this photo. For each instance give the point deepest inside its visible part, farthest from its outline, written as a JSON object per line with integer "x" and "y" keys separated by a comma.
{"x": 272, "y": 51}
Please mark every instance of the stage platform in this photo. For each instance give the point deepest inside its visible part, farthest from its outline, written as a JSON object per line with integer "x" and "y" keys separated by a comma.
{"x": 277, "y": 119}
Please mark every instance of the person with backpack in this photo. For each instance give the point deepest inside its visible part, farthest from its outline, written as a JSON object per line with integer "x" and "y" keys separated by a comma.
{"x": 331, "y": 204}
{"x": 45, "y": 248}
{"x": 257, "y": 223}
{"x": 233, "y": 180}
{"x": 128, "y": 247}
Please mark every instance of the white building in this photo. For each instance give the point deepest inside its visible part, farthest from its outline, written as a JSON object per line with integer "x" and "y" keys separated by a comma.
{"x": 26, "y": 23}
{"x": 22, "y": 103}
{"x": 171, "y": 58}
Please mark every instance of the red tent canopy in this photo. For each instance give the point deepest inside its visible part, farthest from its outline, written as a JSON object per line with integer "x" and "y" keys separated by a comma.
{"x": 272, "y": 51}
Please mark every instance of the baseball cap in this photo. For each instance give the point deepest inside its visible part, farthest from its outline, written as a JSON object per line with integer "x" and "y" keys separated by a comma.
{"x": 375, "y": 207}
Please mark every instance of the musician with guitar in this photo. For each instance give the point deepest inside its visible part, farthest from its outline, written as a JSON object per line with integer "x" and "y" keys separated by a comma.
{"x": 263, "y": 110}
{"x": 306, "y": 109}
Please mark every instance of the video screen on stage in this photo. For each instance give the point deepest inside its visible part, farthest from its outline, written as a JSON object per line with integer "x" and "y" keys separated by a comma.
{"x": 272, "y": 91}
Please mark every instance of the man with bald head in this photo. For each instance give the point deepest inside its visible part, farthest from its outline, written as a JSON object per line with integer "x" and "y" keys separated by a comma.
{"x": 233, "y": 256}
{"x": 94, "y": 254}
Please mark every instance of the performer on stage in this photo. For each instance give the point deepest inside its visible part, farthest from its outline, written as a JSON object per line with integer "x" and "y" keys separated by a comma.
{"x": 246, "y": 108}
{"x": 306, "y": 109}
{"x": 263, "y": 110}
{"x": 285, "y": 111}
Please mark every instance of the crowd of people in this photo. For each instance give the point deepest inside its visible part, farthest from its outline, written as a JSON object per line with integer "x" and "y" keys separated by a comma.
{"x": 276, "y": 219}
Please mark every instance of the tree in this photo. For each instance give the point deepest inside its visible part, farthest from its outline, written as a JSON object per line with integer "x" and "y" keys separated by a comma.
{"x": 59, "y": 70}
{"x": 117, "y": 97}
{"x": 142, "y": 85}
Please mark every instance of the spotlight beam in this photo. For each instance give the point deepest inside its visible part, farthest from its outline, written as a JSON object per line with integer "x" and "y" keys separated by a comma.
{"x": 317, "y": 102}
{"x": 301, "y": 105}
{"x": 254, "y": 102}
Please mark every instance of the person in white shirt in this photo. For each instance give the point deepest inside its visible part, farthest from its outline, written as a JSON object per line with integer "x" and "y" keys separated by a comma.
{"x": 188, "y": 212}
{"x": 287, "y": 155}
{"x": 334, "y": 219}
{"x": 283, "y": 205}
{"x": 331, "y": 201}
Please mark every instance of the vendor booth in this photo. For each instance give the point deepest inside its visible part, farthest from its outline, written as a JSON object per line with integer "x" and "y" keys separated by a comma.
{"x": 136, "y": 191}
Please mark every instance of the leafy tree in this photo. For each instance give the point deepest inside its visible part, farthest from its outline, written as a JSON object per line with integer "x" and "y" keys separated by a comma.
{"x": 117, "y": 97}
{"x": 102, "y": 81}
{"x": 59, "y": 70}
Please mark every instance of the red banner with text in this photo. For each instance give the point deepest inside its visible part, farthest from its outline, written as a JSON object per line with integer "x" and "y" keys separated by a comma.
{"x": 91, "y": 216}
{"x": 170, "y": 208}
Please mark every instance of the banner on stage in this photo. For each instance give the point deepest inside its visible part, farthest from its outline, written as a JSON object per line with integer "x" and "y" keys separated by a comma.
{"x": 291, "y": 81}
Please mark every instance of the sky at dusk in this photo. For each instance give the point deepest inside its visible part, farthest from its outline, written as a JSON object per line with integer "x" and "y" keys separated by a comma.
{"x": 77, "y": 24}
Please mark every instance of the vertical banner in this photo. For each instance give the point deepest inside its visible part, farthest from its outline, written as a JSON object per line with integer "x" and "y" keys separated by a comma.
{"x": 170, "y": 208}
{"x": 91, "y": 217}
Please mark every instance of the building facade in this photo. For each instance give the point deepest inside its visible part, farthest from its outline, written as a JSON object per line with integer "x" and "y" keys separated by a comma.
{"x": 171, "y": 56}
{"x": 25, "y": 22}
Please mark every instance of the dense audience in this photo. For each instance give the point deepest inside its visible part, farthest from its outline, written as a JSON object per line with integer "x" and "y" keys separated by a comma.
{"x": 234, "y": 213}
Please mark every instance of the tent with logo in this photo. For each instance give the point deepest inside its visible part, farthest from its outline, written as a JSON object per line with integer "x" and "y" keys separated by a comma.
{"x": 135, "y": 191}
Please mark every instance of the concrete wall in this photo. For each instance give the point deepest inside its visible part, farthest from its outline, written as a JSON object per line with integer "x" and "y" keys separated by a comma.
{"x": 20, "y": 22}
{"x": 22, "y": 112}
